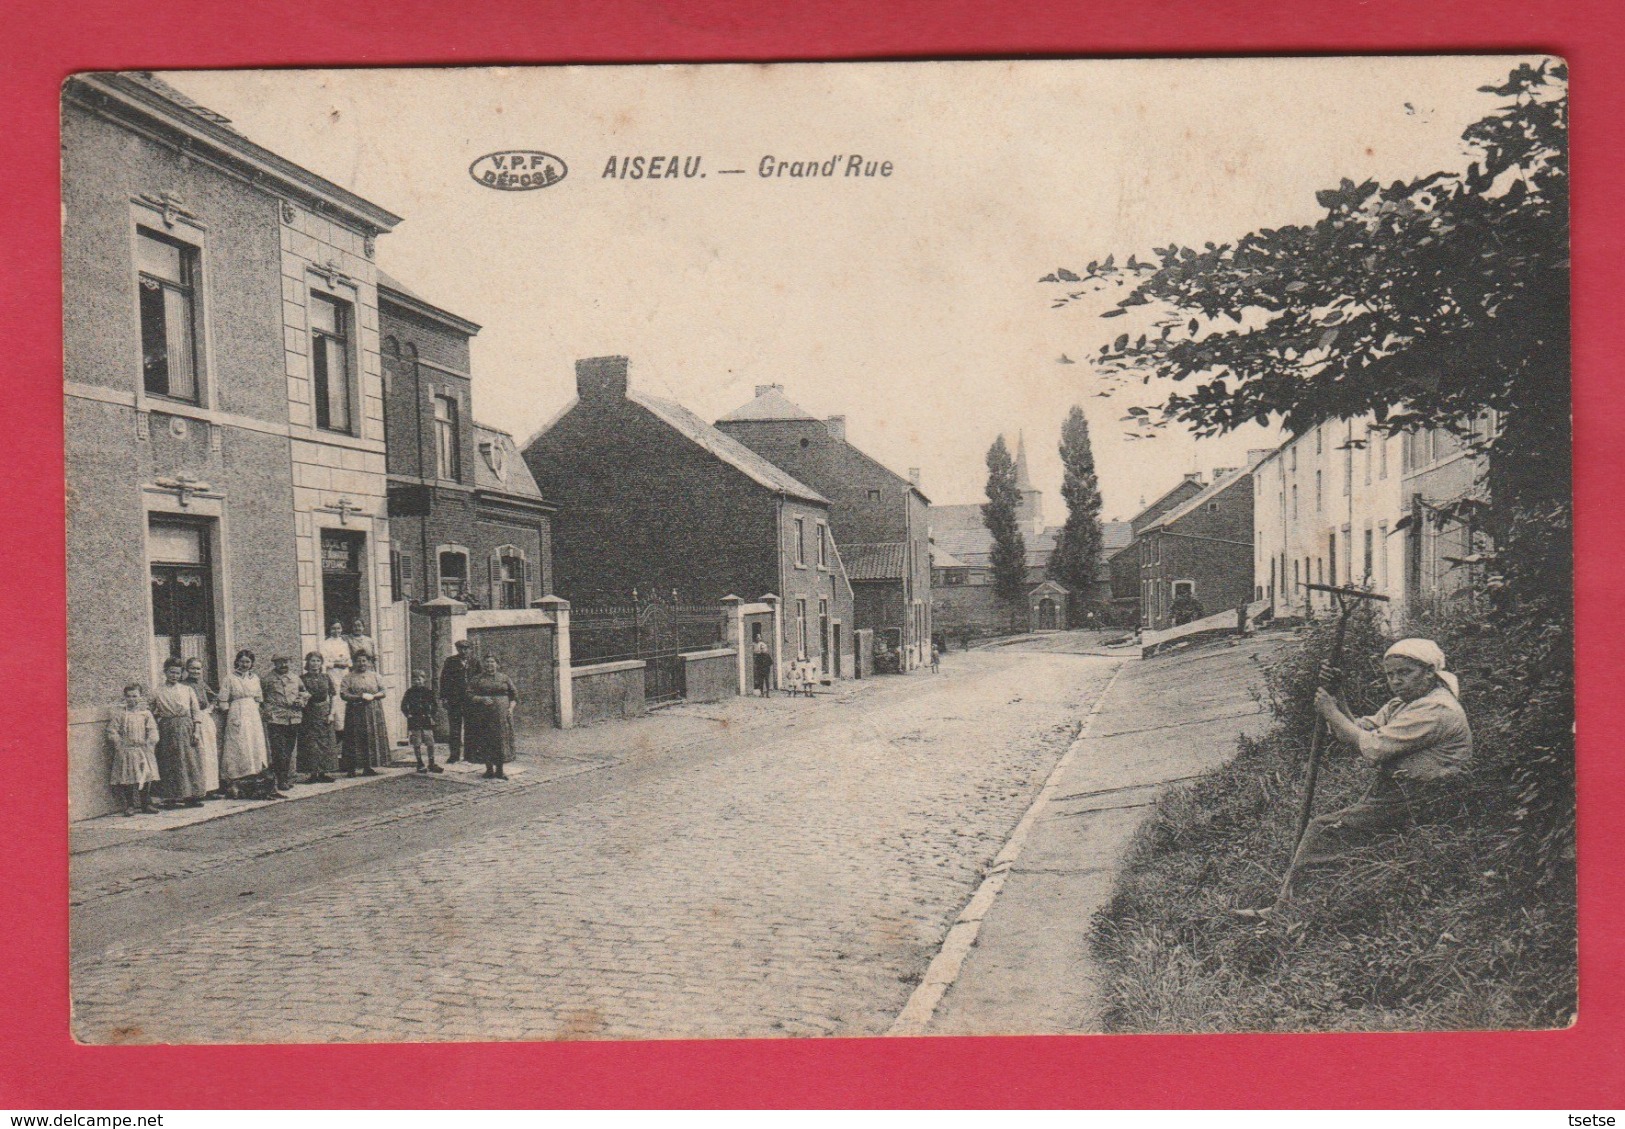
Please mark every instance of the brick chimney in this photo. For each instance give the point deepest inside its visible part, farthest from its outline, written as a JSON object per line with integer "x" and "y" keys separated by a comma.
{"x": 1193, "y": 476}
{"x": 601, "y": 379}
{"x": 764, "y": 389}
{"x": 914, "y": 476}
{"x": 1258, "y": 455}
{"x": 837, "y": 427}
{"x": 1220, "y": 471}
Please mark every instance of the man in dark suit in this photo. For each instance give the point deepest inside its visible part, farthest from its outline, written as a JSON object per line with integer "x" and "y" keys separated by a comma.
{"x": 454, "y": 696}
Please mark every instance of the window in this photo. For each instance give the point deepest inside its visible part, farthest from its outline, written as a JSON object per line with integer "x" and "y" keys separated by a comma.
{"x": 801, "y": 542}
{"x": 454, "y": 574}
{"x": 168, "y": 299}
{"x": 1317, "y": 490}
{"x": 955, "y": 577}
{"x": 1368, "y": 556}
{"x": 1294, "y": 500}
{"x": 1332, "y": 554}
{"x": 508, "y": 578}
{"x": 1348, "y": 461}
{"x": 823, "y": 545}
{"x": 1382, "y": 555}
{"x": 1295, "y": 582}
{"x": 801, "y": 628}
{"x": 1370, "y": 438}
{"x": 874, "y": 495}
{"x": 330, "y": 362}
{"x": 445, "y": 438}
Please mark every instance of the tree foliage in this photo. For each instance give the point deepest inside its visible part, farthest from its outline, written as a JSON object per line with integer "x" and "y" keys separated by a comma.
{"x": 1423, "y": 303}
{"x": 999, "y": 515}
{"x": 1077, "y": 550}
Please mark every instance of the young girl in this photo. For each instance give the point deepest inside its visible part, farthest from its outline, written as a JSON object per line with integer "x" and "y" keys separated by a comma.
{"x": 208, "y": 734}
{"x": 243, "y": 753}
{"x": 133, "y": 732}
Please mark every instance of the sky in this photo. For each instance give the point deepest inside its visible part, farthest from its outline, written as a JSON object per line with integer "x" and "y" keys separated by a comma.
{"x": 909, "y": 303}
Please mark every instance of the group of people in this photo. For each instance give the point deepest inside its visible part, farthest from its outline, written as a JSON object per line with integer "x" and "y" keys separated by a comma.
{"x": 187, "y": 742}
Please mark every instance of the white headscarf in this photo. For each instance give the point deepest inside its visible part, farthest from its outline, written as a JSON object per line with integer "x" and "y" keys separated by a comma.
{"x": 1427, "y": 653}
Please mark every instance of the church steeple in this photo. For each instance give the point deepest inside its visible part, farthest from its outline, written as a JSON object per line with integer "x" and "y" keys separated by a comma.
{"x": 1024, "y": 483}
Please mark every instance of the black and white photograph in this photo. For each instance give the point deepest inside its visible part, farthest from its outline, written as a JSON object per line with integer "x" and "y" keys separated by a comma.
{"x": 724, "y": 551}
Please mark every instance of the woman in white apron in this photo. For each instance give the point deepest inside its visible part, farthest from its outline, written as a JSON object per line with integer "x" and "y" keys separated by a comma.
{"x": 244, "y": 753}
{"x": 335, "y": 652}
{"x": 208, "y": 735}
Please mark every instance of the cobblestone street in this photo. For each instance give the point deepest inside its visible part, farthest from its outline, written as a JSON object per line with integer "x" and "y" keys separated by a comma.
{"x": 744, "y": 869}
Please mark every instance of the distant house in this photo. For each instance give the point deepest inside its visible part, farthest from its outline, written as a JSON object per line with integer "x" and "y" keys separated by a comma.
{"x": 466, "y": 519}
{"x": 654, "y": 499}
{"x": 1197, "y": 552}
{"x": 962, "y": 573}
{"x": 879, "y": 519}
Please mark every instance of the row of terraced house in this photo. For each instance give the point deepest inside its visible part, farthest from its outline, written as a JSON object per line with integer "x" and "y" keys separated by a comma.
{"x": 267, "y": 434}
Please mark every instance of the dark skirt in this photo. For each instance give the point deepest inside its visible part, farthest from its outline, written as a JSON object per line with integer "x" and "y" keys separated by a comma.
{"x": 318, "y": 754}
{"x": 764, "y": 671}
{"x": 488, "y": 733}
{"x": 180, "y": 763}
{"x": 366, "y": 738}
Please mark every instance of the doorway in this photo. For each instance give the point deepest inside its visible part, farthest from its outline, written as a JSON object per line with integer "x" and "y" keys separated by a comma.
{"x": 344, "y": 556}
{"x": 182, "y": 594}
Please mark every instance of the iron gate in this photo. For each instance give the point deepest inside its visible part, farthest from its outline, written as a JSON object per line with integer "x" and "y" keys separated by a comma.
{"x": 655, "y": 630}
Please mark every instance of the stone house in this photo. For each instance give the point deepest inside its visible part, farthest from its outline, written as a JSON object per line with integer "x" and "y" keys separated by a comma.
{"x": 653, "y": 499}
{"x": 223, "y": 402}
{"x": 1200, "y": 550}
{"x": 466, "y": 518}
{"x": 879, "y": 519}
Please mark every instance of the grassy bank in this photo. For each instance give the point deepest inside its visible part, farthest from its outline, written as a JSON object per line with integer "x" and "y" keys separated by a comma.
{"x": 1465, "y": 921}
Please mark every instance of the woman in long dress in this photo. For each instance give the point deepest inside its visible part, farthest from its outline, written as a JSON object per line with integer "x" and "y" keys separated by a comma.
{"x": 366, "y": 738}
{"x": 335, "y": 650}
{"x": 243, "y": 750}
{"x": 488, "y": 721}
{"x": 208, "y": 734}
{"x": 318, "y": 754}
{"x": 180, "y": 767}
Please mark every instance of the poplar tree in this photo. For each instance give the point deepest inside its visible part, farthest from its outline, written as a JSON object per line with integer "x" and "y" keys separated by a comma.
{"x": 1077, "y": 551}
{"x": 999, "y": 515}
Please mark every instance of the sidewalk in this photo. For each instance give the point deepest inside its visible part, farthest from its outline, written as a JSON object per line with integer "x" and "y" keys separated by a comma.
{"x": 1017, "y": 961}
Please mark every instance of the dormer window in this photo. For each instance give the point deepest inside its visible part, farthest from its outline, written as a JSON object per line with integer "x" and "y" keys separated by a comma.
{"x": 495, "y": 457}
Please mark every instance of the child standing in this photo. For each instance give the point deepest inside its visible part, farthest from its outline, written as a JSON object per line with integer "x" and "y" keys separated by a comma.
{"x": 134, "y": 734}
{"x": 418, "y": 706}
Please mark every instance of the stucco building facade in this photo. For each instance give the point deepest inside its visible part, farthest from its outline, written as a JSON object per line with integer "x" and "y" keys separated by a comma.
{"x": 223, "y": 401}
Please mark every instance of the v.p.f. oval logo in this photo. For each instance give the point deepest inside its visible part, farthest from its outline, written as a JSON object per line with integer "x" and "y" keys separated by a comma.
{"x": 518, "y": 170}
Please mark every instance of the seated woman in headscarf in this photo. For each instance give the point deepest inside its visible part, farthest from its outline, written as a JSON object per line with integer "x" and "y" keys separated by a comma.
{"x": 1419, "y": 737}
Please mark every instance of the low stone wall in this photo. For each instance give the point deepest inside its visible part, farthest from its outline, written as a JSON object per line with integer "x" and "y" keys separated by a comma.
{"x": 605, "y": 691}
{"x": 710, "y": 676}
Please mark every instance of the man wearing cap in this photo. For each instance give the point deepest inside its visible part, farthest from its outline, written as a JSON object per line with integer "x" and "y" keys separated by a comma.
{"x": 454, "y": 696}
{"x": 284, "y": 705}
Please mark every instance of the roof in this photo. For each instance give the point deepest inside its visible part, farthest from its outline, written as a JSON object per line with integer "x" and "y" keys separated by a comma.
{"x": 957, "y": 517}
{"x": 144, "y": 93}
{"x": 771, "y": 403}
{"x": 499, "y": 467}
{"x": 1115, "y": 535}
{"x": 942, "y": 558}
{"x": 881, "y": 560}
{"x": 724, "y": 447}
{"x": 393, "y": 290}
{"x": 1202, "y": 497}
{"x": 973, "y": 548}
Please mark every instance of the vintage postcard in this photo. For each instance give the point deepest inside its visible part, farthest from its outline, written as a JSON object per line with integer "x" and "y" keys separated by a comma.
{"x": 734, "y": 551}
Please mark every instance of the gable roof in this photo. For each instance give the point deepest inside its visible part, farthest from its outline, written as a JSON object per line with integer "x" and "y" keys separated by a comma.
{"x": 942, "y": 558}
{"x": 498, "y": 466}
{"x": 395, "y": 292}
{"x": 1115, "y": 535}
{"x": 1196, "y": 501}
{"x": 724, "y": 448}
{"x": 882, "y": 560}
{"x": 771, "y": 403}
